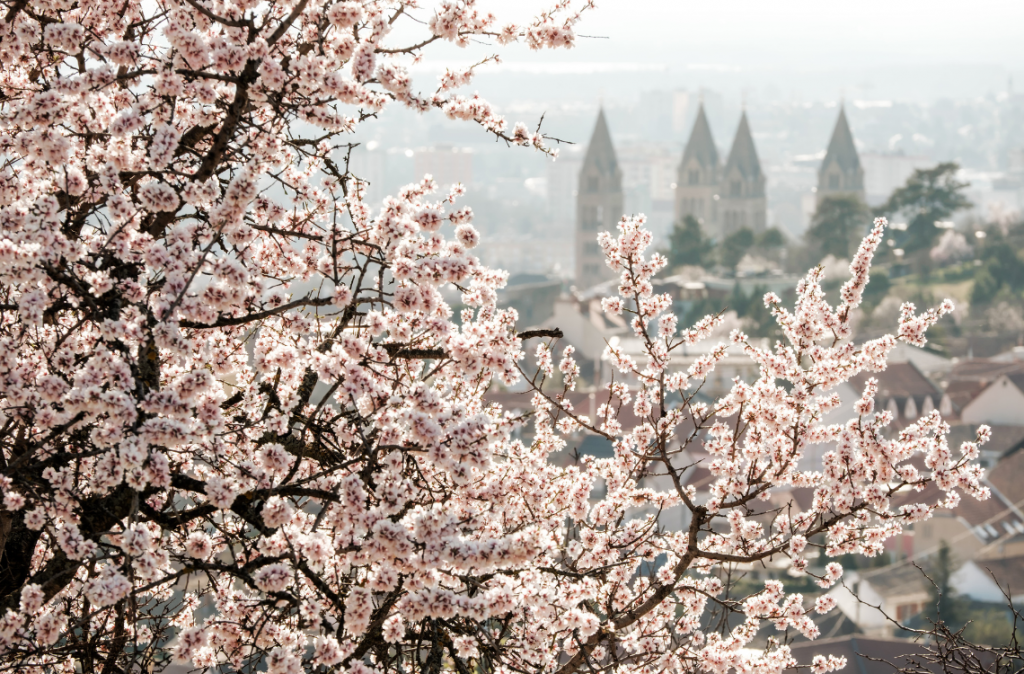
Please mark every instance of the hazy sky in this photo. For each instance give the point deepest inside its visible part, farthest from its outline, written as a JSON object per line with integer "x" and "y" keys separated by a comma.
{"x": 792, "y": 33}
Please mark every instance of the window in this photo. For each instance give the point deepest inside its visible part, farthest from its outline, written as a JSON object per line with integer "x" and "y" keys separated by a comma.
{"x": 833, "y": 182}
{"x": 736, "y": 189}
{"x": 589, "y": 218}
{"x": 593, "y": 184}
{"x": 591, "y": 248}
{"x": 907, "y": 611}
{"x": 694, "y": 177}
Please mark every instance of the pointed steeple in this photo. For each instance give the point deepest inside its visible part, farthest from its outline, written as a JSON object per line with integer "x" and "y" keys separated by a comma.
{"x": 598, "y": 204}
{"x": 701, "y": 145}
{"x": 841, "y": 171}
{"x": 743, "y": 155}
{"x": 841, "y": 149}
{"x": 600, "y": 151}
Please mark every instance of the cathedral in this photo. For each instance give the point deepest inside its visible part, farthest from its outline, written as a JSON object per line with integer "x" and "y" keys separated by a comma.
{"x": 722, "y": 198}
{"x": 726, "y": 198}
{"x": 840, "y": 172}
{"x": 598, "y": 204}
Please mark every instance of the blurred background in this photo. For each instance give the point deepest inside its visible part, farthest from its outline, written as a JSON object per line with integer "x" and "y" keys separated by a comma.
{"x": 928, "y": 92}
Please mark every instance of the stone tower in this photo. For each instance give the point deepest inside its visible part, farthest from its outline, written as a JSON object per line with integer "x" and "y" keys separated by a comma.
{"x": 698, "y": 177}
{"x": 598, "y": 205}
{"x": 841, "y": 172}
{"x": 742, "y": 200}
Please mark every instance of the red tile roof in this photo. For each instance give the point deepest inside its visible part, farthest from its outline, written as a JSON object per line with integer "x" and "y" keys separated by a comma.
{"x": 900, "y": 381}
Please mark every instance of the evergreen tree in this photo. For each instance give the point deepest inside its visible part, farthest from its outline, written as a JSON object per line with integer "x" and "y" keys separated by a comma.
{"x": 688, "y": 245}
{"x": 735, "y": 246}
{"x": 837, "y": 226}
{"x": 945, "y": 604}
{"x": 929, "y": 196}
{"x": 771, "y": 239}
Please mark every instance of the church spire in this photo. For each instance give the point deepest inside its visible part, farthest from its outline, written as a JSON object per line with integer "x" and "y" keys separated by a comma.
{"x": 600, "y": 151}
{"x": 743, "y": 155}
{"x": 700, "y": 148}
{"x": 841, "y": 148}
{"x": 841, "y": 171}
{"x": 742, "y": 203}
{"x": 598, "y": 204}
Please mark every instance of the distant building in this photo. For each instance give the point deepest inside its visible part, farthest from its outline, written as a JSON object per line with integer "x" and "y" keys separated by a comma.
{"x": 841, "y": 171}
{"x": 563, "y": 179}
{"x": 533, "y": 296}
{"x": 722, "y": 199}
{"x": 884, "y": 173}
{"x": 664, "y": 114}
{"x": 598, "y": 204}
{"x": 870, "y": 655}
{"x": 369, "y": 162}
{"x": 899, "y": 590}
{"x": 446, "y": 163}
{"x": 742, "y": 201}
{"x": 1001, "y": 402}
{"x": 648, "y": 182}
{"x": 986, "y": 579}
{"x": 698, "y": 176}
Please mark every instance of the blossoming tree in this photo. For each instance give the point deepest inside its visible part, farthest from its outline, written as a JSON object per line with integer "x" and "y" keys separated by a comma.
{"x": 202, "y": 463}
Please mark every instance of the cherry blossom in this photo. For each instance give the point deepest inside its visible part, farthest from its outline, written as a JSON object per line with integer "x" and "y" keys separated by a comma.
{"x": 242, "y": 426}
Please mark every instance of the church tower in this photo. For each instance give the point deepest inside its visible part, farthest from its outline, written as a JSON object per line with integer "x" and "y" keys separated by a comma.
{"x": 598, "y": 205}
{"x": 841, "y": 172}
{"x": 742, "y": 202}
{"x": 698, "y": 177}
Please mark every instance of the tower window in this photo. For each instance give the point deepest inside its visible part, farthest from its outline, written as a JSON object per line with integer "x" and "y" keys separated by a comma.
{"x": 833, "y": 182}
{"x": 736, "y": 189}
{"x": 694, "y": 177}
{"x": 592, "y": 184}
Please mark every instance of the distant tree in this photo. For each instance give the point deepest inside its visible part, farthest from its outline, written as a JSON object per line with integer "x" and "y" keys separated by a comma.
{"x": 952, "y": 247}
{"x": 986, "y": 284}
{"x": 688, "y": 244}
{"x": 758, "y": 316}
{"x": 1002, "y": 267}
{"x": 945, "y": 604}
{"x": 837, "y": 226}
{"x": 877, "y": 289}
{"x": 738, "y": 301}
{"x": 771, "y": 238}
{"x": 929, "y": 196}
{"x": 735, "y": 246}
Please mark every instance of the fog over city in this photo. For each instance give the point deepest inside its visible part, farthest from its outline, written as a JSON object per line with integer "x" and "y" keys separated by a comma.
{"x": 919, "y": 88}
{"x": 651, "y": 337}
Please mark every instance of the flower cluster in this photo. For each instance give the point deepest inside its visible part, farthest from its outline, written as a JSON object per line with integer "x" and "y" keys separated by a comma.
{"x": 244, "y": 427}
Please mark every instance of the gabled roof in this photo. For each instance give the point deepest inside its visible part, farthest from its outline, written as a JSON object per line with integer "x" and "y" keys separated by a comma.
{"x": 1005, "y": 439}
{"x": 841, "y": 149}
{"x": 600, "y": 150}
{"x": 701, "y": 145}
{"x": 1017, "y": 379}
{"x": 867, "y": 655}
{"x": 1008, "y": 476}
{"x": 743, "y": 155}
{"x": 983, "y": 369}
{"x": 963, "y": 391}
{"x": 1007, "y": 570}
{"x": 900, "y": 381}
{"x": 895, "y": 579}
